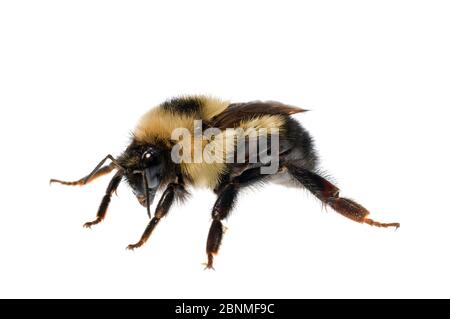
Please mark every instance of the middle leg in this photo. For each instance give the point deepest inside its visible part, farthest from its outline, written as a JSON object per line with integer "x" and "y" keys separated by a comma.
{"x": 226, "y": 199}
{"x": 222, "y": 207}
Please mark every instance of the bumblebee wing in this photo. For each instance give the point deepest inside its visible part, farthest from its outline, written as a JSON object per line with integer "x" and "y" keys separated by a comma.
{"x": 238, "y": 112}
{"x": 257, "y": 115}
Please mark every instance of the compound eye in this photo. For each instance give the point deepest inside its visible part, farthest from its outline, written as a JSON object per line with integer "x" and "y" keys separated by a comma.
{"x": 147, "y": 155}
{"x": 149, "y": 158}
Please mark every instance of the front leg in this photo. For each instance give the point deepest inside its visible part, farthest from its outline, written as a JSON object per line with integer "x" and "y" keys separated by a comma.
{"x": 98, "y": 171}
{"x": 112, "y": 187}
{"x": 172, "y": 191}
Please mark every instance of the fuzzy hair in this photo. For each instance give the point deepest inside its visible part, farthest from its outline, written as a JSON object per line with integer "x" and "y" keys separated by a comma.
{"x": 158, "y": 124}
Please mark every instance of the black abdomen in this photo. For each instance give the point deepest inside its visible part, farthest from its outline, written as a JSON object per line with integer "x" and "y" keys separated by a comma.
{"x": 299, "y": 144}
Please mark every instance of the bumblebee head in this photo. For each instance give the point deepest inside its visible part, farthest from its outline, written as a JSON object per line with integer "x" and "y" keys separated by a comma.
{"x": 145, "y": 168}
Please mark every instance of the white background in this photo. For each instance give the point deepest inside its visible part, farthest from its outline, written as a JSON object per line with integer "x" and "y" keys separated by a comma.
{"x": 76, "y": 75}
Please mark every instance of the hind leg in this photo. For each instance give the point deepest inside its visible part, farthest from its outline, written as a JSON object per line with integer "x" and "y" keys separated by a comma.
{"x": 329, "y": 195}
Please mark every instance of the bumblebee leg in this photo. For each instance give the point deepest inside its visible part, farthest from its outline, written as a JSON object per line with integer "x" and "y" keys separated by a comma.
{"x": 172, "y": 191}
{"x": 227, "y": 193}
{"x": 98, "y": 171}
{"x": 223, "y": 205}
{"x": 83, "y": 181}
{"x": 329, "y": 195}
{"x": 113, "y": 184}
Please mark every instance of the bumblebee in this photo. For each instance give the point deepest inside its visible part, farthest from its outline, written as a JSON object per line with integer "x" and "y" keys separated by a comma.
{"x": 230, "y": 140}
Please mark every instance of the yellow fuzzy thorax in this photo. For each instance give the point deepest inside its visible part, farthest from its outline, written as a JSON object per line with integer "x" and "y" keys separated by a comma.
{"x": 158, "y": 124}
